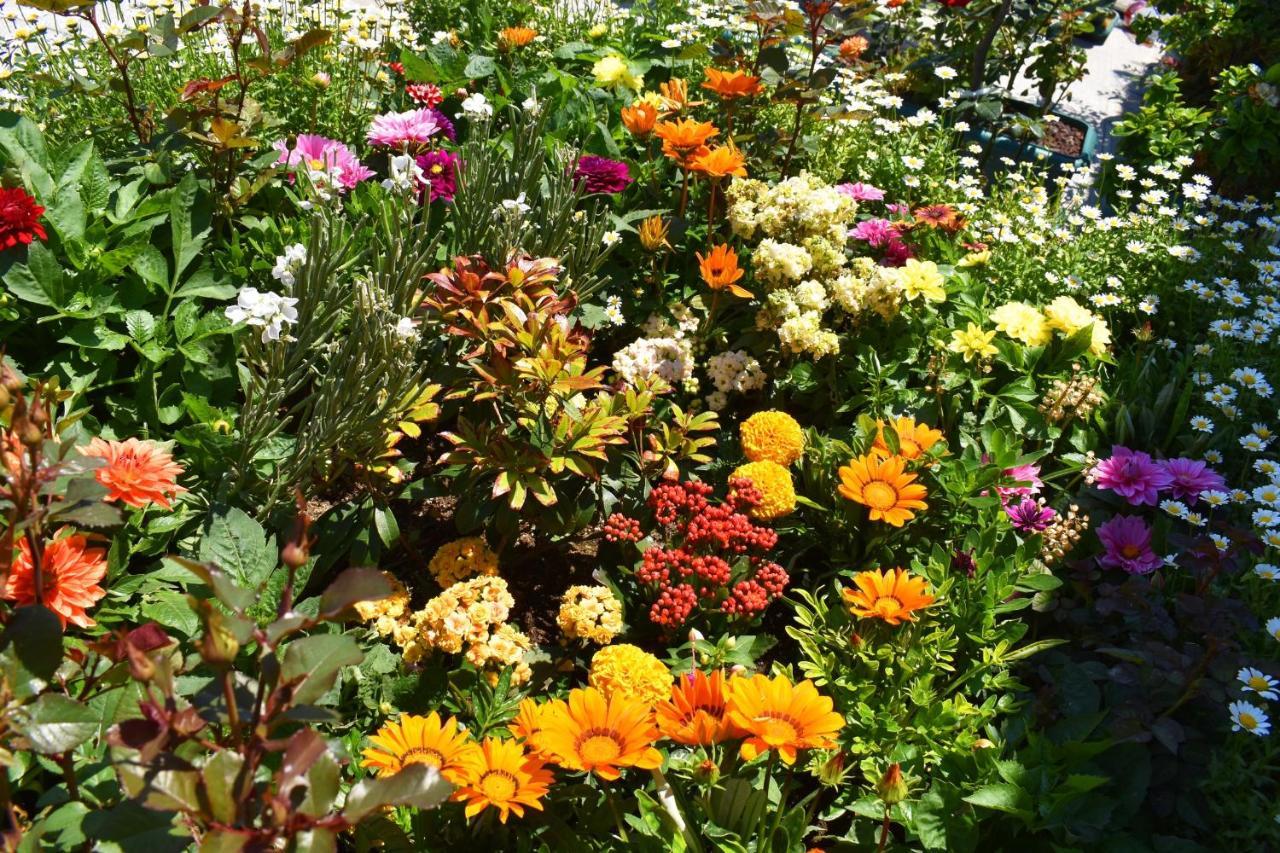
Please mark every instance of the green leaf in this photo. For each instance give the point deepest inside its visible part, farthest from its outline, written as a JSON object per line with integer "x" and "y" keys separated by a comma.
{"x": 67, "y": 214}
{"x": 353, "y": 585}
{"x": 141, "y": 325}
{"x": 219, "y": 780}
{"x": 313, "y": 664}
{"x": 203, "y": 283}
{"x": 479, "y": 66}
{"x": 188, "y": 224}
{"x": 35, "y": 633}
{"x": 1001, "y": 797}
{"x": 54, "y": 724}
{"x": 151, "y": 265}
{"x": 418, "y": 785}
{"x": 22, "y": 141}
{"x": 224, "y": 588}
{"x": 384, "y": 519}
{"x": 171, "y": 609}
{"x": 238, "y": 545}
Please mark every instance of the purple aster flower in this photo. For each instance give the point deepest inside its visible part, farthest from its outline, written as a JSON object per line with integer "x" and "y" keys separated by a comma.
{"x": 413, "y": 129}
{"x": 877, "y": 232}
{"x": 601, "y": 175}
{"x": 1191, "y": 477}
{"x": 447, "y": 130}
{"x": 1029, "y": 515}
{"x": 439, "y": 173}
{"x": 1133, "y": 475}
{"x": 1128, "y": 543}
{"x": 861, "y": 192}
{"x": 326, "y": 160}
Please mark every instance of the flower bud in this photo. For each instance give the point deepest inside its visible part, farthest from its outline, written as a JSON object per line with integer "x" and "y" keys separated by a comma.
{"x": 707, "y": 772}
{"x": 892, "y": 788}
{"x": 10, "y": 379}
{"x": 295, "y": 555}
{"x": 695, "y": 636}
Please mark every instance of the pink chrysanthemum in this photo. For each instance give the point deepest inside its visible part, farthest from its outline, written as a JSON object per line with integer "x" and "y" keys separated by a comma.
{"x": 324, "y": 157}
{"x": 861, "y": 192}
{"x": 1133, "y": 475}
{"x": 408, "y": 130}
{"x": 1190, "y": 477}
{"x": 1127, "y": 540}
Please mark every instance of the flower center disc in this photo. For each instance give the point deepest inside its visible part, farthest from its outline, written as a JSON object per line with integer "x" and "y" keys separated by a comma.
{"x": 422, "y": 755}
{"x": 599, "y": 749}
{"x": 879, "y": 495}
{"x": 498, "y": 785}
{"x": 778, "y": 730}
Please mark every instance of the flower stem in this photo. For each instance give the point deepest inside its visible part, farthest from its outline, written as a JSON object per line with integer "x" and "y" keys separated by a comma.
{"x": 617, "y": 813}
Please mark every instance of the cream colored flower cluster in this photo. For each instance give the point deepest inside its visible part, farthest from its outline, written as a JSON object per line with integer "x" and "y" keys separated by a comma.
{"x": 590, "y": 613}
{"x": 800, "y": 226}
{"x": 468, "y": 618}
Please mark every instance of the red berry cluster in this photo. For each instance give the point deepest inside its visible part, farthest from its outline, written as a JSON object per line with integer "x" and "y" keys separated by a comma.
{"x": 424, "y": 94}
{"x": 702, "y": 546}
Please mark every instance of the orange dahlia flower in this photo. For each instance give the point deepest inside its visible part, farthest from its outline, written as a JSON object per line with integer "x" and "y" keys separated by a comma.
{"x": 601, "y": 736}
{"x": 137, "y": 472}
{"x": 720, "y": 270}
{"x": 697, "y": 714}
{"x": 70, "y": 572}
{"x": 914, "y": 440}
{"x": 893, "y": 596}
{"x": 501, "y": 775}
{"x": 684, "y": 139}
{"x": 778, "y": 715}
{"x": 883, "y": 487}
{"x": 639, "y": 118}
{"x": 731, "y": 84}
{"x": 422, "y": 740}
{"x": 721, "y": 162}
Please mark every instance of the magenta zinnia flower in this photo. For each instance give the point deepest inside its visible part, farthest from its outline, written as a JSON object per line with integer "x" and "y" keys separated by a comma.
{"x": 440, "y": 172}
{"x": 601, "y": 175}
{"x": 1191, "y": 477}
{"x": 1128, "y": 543}
{"x": 1029, "y": 515}
{"x": 896, "y": 253}
{"x": 861, "y": 192}
{"x": 877, "y": 232}
{"x": 413, "y": 129}
{"x": 1133, "y": 475}
{"x": 325, "y": 159}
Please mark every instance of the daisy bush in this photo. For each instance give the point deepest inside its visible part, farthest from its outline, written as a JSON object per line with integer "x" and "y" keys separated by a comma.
{"x": 670, "y": 426}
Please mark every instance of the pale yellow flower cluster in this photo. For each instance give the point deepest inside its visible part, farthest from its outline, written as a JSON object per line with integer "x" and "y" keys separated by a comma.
{"x": 590, "y": 613}
{"x": 462, "y": 558}
{"x": 387, "y": 613}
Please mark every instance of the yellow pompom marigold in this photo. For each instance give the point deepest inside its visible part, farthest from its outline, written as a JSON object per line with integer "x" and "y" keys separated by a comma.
{"x": 771, "y": 436}
{"x": 777, "y": 493}
{"x": 630, "y": 671}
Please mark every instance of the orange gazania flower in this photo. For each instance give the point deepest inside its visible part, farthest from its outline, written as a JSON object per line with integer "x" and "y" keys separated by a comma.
{"x": 779, "y": 715}
{"x": 137, "y": 472}
{"x": 684, "y": 139}
{"x": 892, "y": 596}
{"x": 502, "y": 776}
{"x": 697, "y": 712}
{"x": 513, "y": 37}
{"x": 883, "y": 487}
{"x": 639, "y": 118}
{"x": 731, "y": 84}
{"x": 601, "y": 736}
{"x": 422, "y": 740}
{"x": 942, "y": 216}
{"x": 70, "y": 572}
{"x": 914, "y": 440}
{"x": 721, "y": 162}
{"x": 720, "y": 270}
{"x": 527, "y": 724}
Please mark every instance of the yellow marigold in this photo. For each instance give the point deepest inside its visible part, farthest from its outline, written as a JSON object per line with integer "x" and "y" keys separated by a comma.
{"x": 778, "y": 494}
{"x": 922, "y": 278}
{"x": 461, "y": 559}
{"x": 1022, "y": 322}
{"x": 632, "y": 672}
{"x": 1067, "y": 316}
{"x": 590, "y": 613}
{"x": 773, "y": 436}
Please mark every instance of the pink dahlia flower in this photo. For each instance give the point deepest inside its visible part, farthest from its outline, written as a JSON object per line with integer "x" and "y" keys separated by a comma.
{"x": 601, "y": 175}
{"x": 861, "y": 192}
{"x": 1133, "y": 475}
{"x": 325, "y": 159}
{"x": 413, "y": 129}
{"x": 1127, "y": 541}
{"x": 1191, "y": 477}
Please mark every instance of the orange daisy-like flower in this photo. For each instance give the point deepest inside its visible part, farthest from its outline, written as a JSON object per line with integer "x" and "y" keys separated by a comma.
{"x": 883, "y": 487}
{"x": 137, "y": 472}
{"x": 720, "y": 270}
{"x": 697, "y": 713}
{"x": 422, "y": 740}
{"x": 942, "y": 216}
{"x": 514, "y": 37}
{"x": 601, "y": 736}
{"x": 527, "y": 724}
{"x": 893, "y": 596}
{"x": 676, "y": 93}
{"x": 914, "y": 440}
{"x": 639, "y": 118}
{"x": 684, "y": 139}
{"x": 503, "y": 776}
{"x": 779, "y": 715}
{"x": 731, "y": 84}
{"x": 70, "y": 573}
{"x": 721, "y": 162}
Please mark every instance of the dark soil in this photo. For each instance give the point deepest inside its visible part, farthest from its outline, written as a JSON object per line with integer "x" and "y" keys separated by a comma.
{"x": 1063, "y": 138}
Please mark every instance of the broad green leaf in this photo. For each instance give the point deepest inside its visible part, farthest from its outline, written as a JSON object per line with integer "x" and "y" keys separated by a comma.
{"x": 23, "y": 143}
{"x": 313, "y": 664}
{"x": 35, "y": 635}
{"x": 418, "y": 785}
{"x": 239, "y": 546}
{"x": 54, "y": 724}
{"x": 171, "y": 609}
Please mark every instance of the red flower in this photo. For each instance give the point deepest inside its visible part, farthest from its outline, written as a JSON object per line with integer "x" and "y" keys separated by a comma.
{"x": 955, "y": 4}
{"x": 19, "y": 218}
